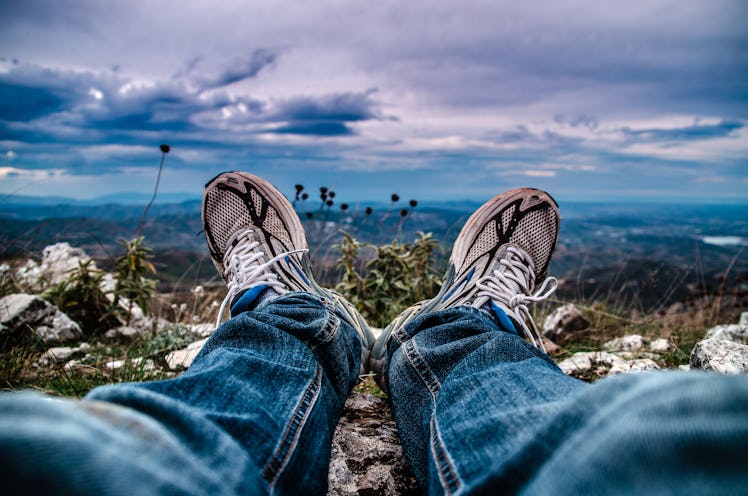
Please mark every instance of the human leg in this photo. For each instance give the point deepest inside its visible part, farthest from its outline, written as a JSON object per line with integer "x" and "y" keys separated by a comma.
{"x": 255, "y": 412}
{"x": 480, "y": 410}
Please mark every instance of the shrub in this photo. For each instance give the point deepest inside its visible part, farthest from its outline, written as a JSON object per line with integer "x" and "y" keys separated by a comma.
{"x": 132, "y": 268}
{"x": 81, "y": 298}
{"x": 399, "y": 276}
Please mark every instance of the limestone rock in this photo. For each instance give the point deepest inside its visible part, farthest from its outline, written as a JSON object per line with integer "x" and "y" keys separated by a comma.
{"x": 720, "y": 355}
{"x": 366, "y": 454}
{"x": 114, "y": 364}
{"x": 51, "y": 325}
{"x": 61, "y": 354}
{"x": 563, "y": 321}
{"x": 632, "y": 342}
{"x": 630, "y": 366}
{"x": 737, "y": 333}
{"x": 123, "y": 332}
{"x": 744, "y": 319}
{"x": 57, "y": 262}
{"x": 661, "y": 345}
{"x": 603, "y": 363}
{"x": 183, "y": 358}
{"x": 202, "y": 330}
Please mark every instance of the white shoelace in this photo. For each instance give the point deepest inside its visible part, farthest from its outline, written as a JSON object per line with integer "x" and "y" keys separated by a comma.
{"x": 510, "y": 285}
{"x": 241, "y": 274}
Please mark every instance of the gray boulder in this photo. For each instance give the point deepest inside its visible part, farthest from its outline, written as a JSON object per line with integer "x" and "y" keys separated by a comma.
{"x": 737, "y": 333}
{"x": 563, "y": 321}
{"x": 632, "y": 342}
{"x": 720, "y": 355}
{"x": 19, "y": 312}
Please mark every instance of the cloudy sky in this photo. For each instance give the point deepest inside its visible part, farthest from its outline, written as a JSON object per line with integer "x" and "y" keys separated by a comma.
{"x": 640, "y": 99}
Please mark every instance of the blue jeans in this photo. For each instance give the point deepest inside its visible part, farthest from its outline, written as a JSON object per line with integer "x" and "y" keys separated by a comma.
{"x": 478, "y": 411}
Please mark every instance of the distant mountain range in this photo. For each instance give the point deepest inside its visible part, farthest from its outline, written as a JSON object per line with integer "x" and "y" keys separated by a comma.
{"x": 644, "y": 255}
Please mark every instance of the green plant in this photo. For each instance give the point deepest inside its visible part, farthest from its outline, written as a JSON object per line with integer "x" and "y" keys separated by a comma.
{"x": 398, "y": 276}
{"x": 80, "y": 297}
{"x": 132, "y": 267}
{"x": 7, "y": 283}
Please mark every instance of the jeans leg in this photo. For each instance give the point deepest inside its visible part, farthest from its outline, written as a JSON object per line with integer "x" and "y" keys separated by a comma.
{"x": 481, "y": 411}
{"x": 255, "y": 412}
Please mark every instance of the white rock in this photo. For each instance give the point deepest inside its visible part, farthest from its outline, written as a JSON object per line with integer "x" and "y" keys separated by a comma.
{"x": 144, "y": 364}
{"x": 61, "y": 354}
{"x": 202, "y": 330}
{"x": 604, "y": 363}
{"x": 661, "y": 345}
{"x": 586, "y": 360}
{"x": 564, "y": 320}
{"x": 20, "y": 311}
{"x": 720, "y": 355}
{"x": 737, "y": 333}
{"x": 183, "y": 358}
{"x": 744, "y": 318}
{"x": 56, "y": 355}
{"x": 122, "y": 332}
{"x": 631, "y": 366}
{"x": 114, "y": 364}
{"x": 632, "y": 342}
{"x": 57, "y": 262}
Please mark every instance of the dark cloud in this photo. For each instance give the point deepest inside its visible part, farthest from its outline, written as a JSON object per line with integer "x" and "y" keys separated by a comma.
{"x": 39, "y": 104}
{"x": 24, "y": 103}
{"x": 315, "y": 129}
{"x": 328, "y": 115}
{"x": 688, "y": 133}
{"x": 240, "y": 69}
{"x": 349, "y": 107}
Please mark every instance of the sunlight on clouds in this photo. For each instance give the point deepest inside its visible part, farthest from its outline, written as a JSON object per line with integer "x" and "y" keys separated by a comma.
{"x": 539, "y": 173}
{"x": 96, "y": 94}
{"x": 35, "y": 175}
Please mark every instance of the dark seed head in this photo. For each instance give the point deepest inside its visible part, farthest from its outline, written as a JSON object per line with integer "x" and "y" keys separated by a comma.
{"x": 403, "y": 212}
{"x": 323, "y": 190}
{"x": 309, "y": 215}
{"x": 394, "y": 197}
{"x": 413, "y": 203}
{"x": 304, "y": 196}
{"x": 299, "y": 187}
{"x": 368, "y": 210}
{"x": 331, "y": 194}
{"x": 329, "y": 203}
{"x": 343, "y": 206}
{"x": 165, "y": 148}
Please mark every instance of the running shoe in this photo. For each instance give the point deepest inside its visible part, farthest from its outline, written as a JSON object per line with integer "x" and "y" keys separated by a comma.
{"x": 502, "y": 251}
{"x": 257, "y": 243}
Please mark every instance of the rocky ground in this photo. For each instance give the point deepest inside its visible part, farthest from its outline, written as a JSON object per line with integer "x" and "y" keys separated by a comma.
{"x": 366, "y": 455}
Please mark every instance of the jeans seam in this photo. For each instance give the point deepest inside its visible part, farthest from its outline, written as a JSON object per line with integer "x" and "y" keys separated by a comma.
{"x": 331, "y": 327}
{"x": 422, "y": 369}
{"x": 290, "y": 438}
{"x": 445, "y": 467}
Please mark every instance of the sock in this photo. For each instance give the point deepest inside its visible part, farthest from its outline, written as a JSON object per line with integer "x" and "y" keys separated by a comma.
{"x": 252, "y": 298}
